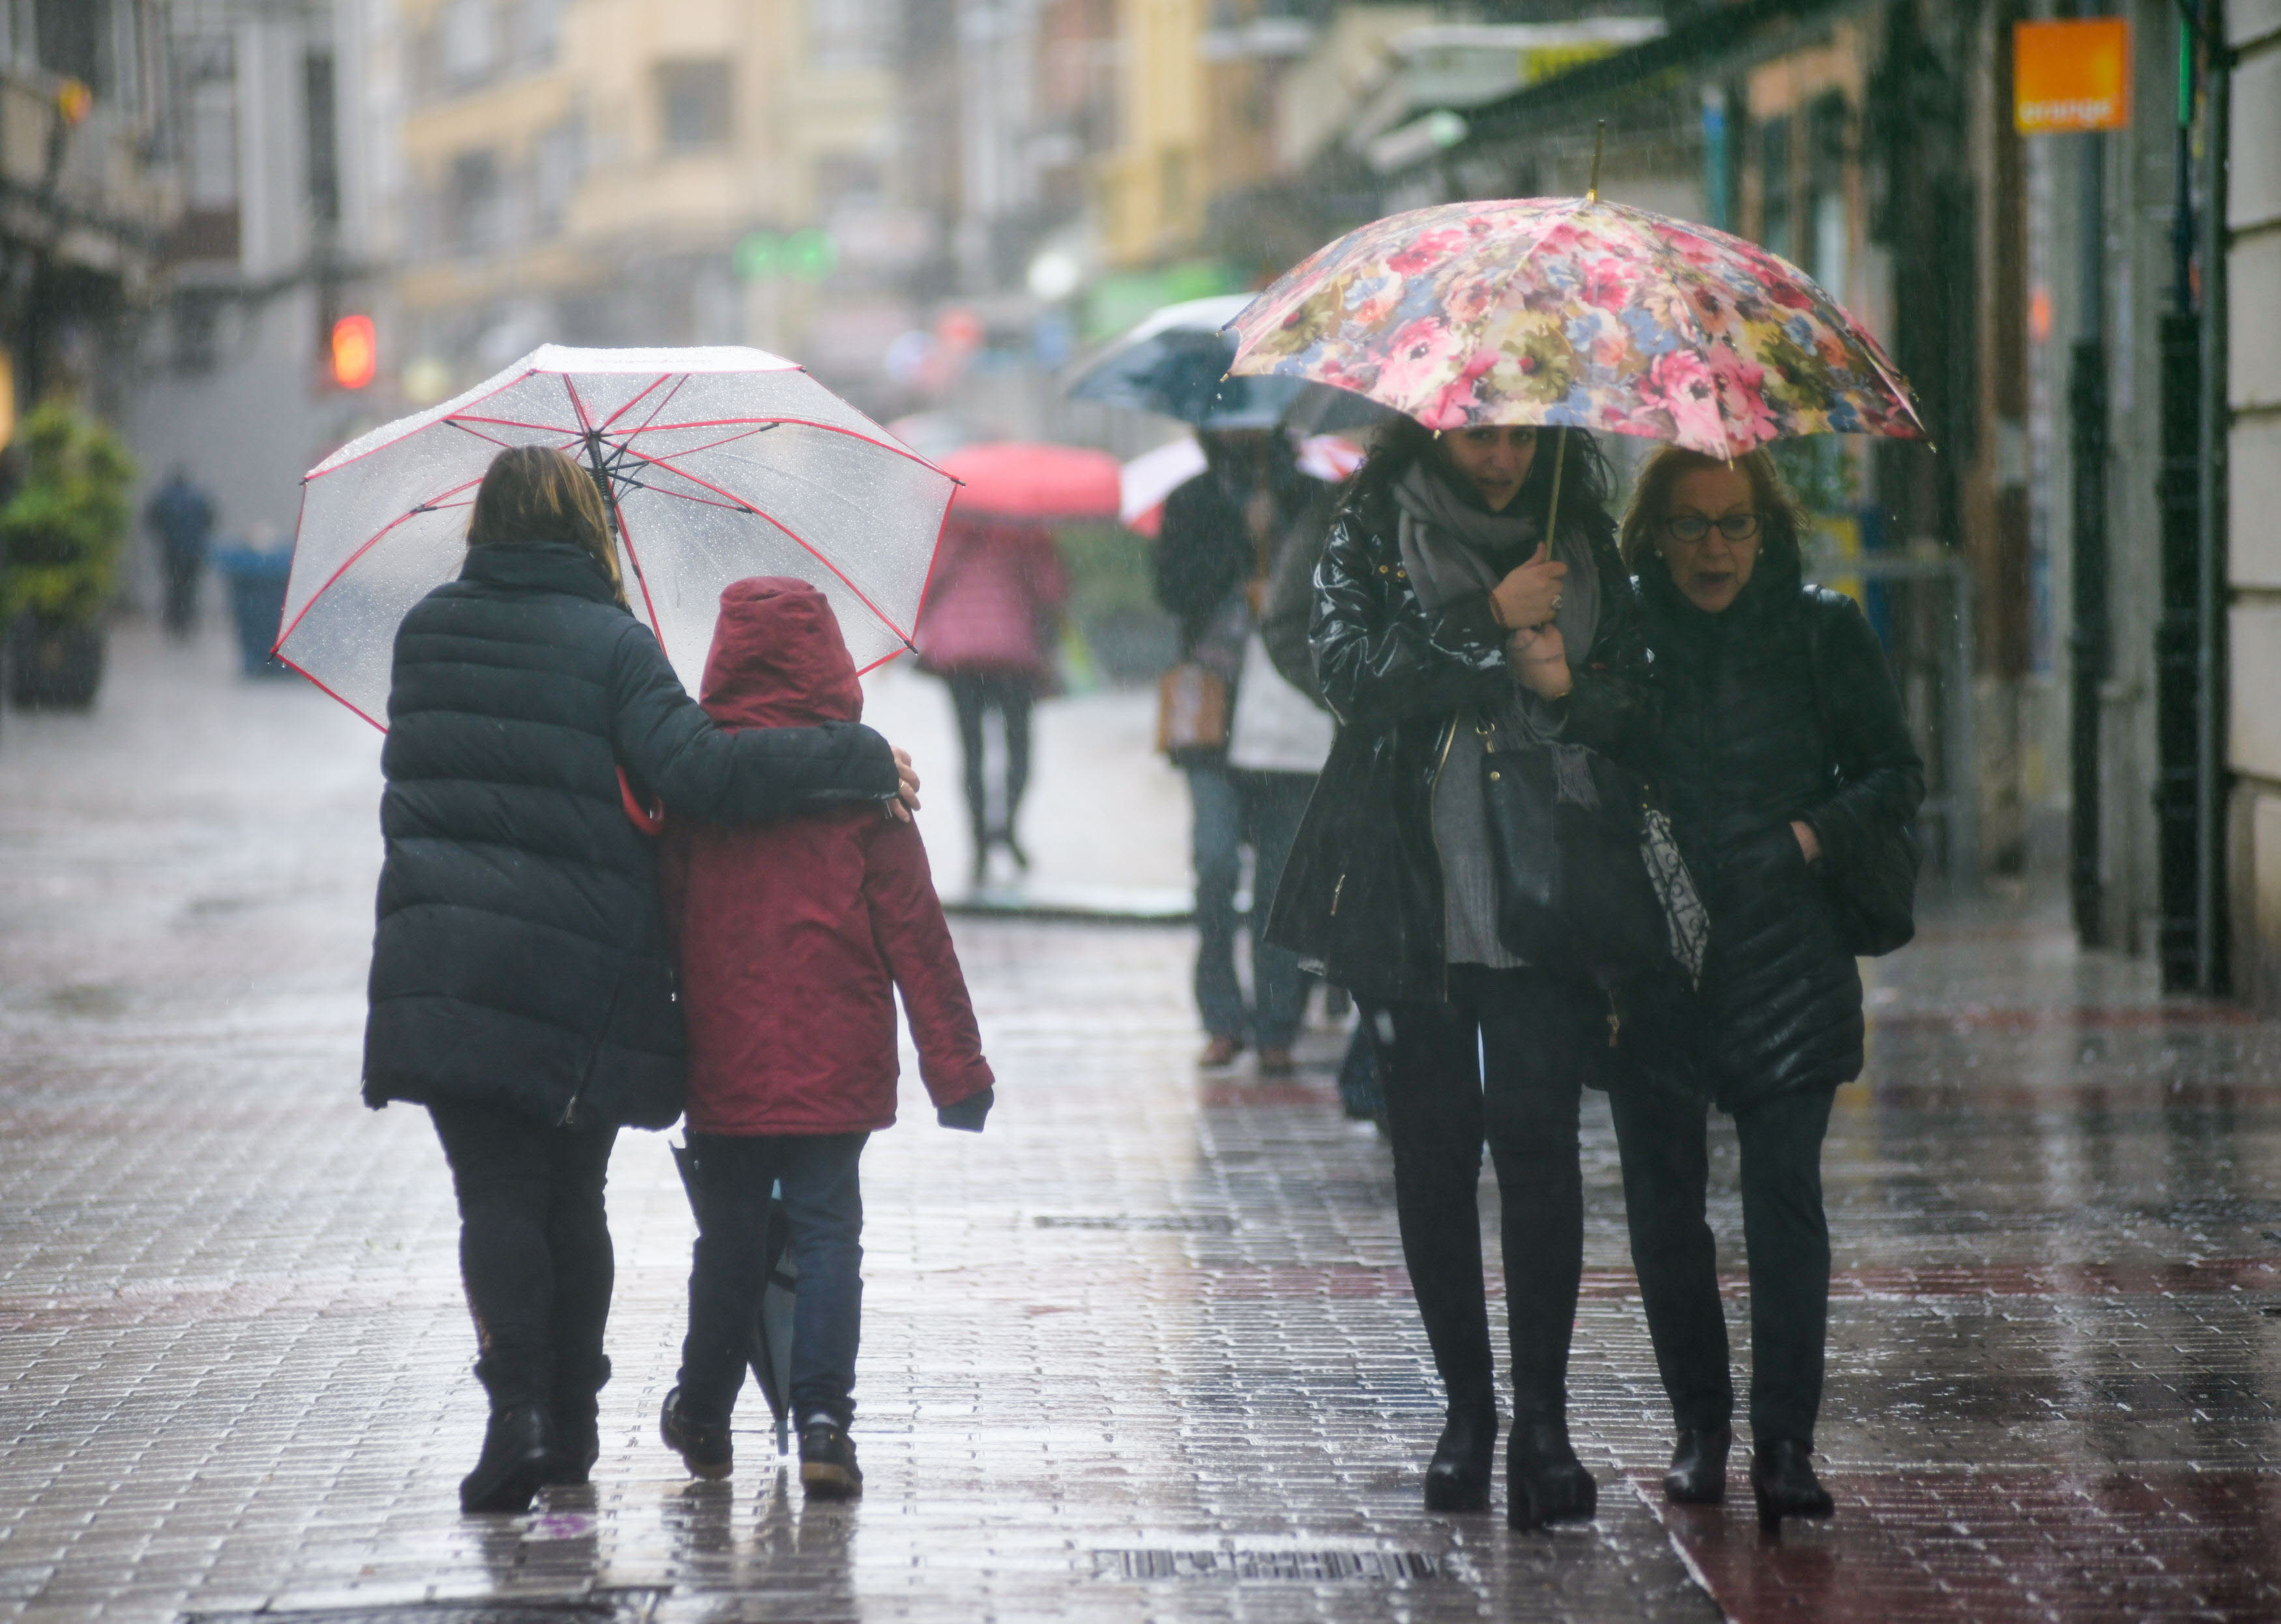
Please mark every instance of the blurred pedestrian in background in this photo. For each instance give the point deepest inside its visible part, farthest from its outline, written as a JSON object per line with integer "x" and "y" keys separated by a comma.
{"x": 1225, "y": 533}
{"x": 522, "y": 983}
{"x": 793, "y": 940}
{"x": 181, "y": 517}
{"x": 1790, "y": 774}
{"x": 1441, "y": 610}
{"x": 992, "y": 631}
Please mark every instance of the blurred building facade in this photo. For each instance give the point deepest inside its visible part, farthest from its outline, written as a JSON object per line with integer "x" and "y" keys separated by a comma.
{"x": 624, "y": 172}
{"x": 283, "y": 130}
{"x": 2244, "y": 242}
{"x": 89, "y": 187}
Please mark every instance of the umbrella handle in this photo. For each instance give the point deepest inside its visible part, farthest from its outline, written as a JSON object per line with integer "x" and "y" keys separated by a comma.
{"x": 1552, "y": 507}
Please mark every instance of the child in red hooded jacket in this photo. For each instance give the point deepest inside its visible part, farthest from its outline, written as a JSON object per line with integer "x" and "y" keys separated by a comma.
{"x": 793, "y": 937}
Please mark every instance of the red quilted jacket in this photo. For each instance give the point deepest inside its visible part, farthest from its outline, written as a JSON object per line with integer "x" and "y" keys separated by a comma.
{"x": 793, "y": 936}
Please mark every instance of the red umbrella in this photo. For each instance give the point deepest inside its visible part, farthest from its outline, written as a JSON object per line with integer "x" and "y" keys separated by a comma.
{"x": 1020, "y": 479}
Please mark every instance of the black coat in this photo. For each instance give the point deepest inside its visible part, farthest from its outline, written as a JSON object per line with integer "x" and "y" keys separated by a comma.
{"x": 1360, "y": 900}
{"x": 1743, "y": 746}
{"x": 522, "y": 958}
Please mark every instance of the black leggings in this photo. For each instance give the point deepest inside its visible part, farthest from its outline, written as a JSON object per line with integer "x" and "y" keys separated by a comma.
{"x": 974, "y": 697}
{"x": 1504, "y": 1063}
{"x": 534, "y": 1252}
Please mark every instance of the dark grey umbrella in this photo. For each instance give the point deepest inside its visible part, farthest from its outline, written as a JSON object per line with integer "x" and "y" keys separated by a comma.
{"x": 1175, "y": 363}
{"x": 767, "y": 1341}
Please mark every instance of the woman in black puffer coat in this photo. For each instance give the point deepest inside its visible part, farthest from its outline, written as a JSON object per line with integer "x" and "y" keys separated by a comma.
{"x": 522, "y": 982}
{"x": 1784, "y": 756}
{"x": 1439, "y": 608}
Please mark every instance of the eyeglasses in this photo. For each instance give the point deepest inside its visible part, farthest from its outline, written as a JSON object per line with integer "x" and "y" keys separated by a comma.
{"x": 1693, "y": 528}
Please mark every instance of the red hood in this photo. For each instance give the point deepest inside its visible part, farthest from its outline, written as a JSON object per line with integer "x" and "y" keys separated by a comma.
{"x": 778, "y": 659}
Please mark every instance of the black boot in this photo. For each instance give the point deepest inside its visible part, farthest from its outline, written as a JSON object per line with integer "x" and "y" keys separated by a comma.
{"x": 577, "y": 1440}
{"x": 1544, "y": 1482}
{"x": 1698, "y": 1467}
{"x": 1457, "y": 1477}
{"x": 1783, "y": 1481}
{"x": 518, "y": 1458}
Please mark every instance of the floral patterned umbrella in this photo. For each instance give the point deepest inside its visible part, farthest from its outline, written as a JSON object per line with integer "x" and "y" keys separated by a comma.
{"x": 1576, "y": 313}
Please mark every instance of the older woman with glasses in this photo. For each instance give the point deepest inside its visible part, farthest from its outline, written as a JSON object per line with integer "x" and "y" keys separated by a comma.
{"x": 1781, "y": 748}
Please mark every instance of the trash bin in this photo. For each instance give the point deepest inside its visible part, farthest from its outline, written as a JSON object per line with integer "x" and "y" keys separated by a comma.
{"x": 256, "y": 578}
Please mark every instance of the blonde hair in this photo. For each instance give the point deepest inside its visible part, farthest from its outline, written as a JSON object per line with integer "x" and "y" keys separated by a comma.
{"x": 1780, "y": 520}
{"x": 536, "y": 493}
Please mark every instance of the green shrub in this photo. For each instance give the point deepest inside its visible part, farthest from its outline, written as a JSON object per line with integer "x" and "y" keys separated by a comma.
{"x": 62, "y": 533}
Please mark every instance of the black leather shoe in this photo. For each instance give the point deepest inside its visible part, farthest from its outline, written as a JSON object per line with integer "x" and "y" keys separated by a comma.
{"x": 1544, "y": 1482}
{"x": 1457, "y": 1477}
{"x": 827, "y": 1460}
{"x": 578, "y": 1443}
{"x": 518, "y": 1459}
{"x": 1783, "y": 1483}
{"x": 703, "y": 1446}
{"x": 1698, "y": 1467}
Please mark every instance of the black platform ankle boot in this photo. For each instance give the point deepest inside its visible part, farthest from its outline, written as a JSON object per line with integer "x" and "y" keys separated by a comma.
{"x": 518, "y": 1459}
{"x": 1698, "y": 1467}
{"x": 1783, "y": 1481}
{"x": 1544, "y": 1482}
{"x": 1457, "y": 1477}
{"x": 577, "y": 1440}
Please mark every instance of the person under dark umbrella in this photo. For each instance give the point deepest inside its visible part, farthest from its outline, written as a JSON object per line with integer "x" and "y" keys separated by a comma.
{"x": 1224, "y": 533}
{"x": 181, "y": 517}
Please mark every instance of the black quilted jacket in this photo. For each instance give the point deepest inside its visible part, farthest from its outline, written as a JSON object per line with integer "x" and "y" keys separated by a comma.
{"x": 1360, "y": 899}
{"x": 520, "y": 958}
{"x": 1743, "y": 746}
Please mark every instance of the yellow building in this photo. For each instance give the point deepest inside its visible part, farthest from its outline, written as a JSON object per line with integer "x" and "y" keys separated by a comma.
{"x": 618, "y": 172}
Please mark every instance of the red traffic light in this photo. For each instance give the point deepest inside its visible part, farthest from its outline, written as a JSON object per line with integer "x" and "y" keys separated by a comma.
{"x": 356, "y": 351}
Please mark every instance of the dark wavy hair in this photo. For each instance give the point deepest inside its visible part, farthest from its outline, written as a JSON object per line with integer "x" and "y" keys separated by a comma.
{"x": 1586, "y": 485}
{"x": 1781, "y": 523}
{"x": 536, "y": 493}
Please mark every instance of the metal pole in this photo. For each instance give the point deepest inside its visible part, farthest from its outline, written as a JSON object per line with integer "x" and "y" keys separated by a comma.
{"x": 2210, "y": 695}
{"x": 1962, "y": 770}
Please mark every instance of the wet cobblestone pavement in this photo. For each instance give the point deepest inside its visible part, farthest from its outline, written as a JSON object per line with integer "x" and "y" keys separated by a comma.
{"x": 1145, "y": 1350}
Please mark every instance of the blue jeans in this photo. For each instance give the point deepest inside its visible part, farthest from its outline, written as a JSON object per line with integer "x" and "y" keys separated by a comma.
{"x": 732, "y": 1179}
{"x": 1232, "y": 809}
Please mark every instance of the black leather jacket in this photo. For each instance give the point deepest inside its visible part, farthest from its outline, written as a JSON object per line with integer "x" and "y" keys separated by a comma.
{"x": 1360, "y": 899}
{"x": 1781, "y": 708}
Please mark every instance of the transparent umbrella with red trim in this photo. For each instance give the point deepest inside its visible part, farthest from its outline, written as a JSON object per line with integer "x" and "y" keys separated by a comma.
{"x": 720, "y": 464}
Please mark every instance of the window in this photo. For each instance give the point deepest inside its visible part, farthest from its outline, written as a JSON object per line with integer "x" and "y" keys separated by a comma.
{"x": 70, "y": 36}
{"x": 467, "y": 44}
{"x": 323, "y": 141}
{"x": 538, "y": 32}
{"x": 692, "y": 100}
{"x": 848, "y": 34}
{"x": 1826, "y": 214}
{"x": 557, "y": 163}
{"x": 1777, "y": 229}
{"x": 473, "y": 203}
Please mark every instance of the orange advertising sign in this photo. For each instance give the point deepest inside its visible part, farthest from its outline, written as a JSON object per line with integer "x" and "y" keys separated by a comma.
{"x": 2070, "y": 76}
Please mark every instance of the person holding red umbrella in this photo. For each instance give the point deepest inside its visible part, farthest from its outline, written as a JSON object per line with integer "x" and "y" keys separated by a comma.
{"x": 990, "y": 627}
{"x": 992, "y": 622}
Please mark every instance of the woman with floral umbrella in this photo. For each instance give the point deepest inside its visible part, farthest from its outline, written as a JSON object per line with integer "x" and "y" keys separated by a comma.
{"x": 1480, "y": 321}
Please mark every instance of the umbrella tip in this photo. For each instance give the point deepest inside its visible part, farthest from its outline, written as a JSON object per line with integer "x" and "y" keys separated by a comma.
{"x": 1599, "y": 141}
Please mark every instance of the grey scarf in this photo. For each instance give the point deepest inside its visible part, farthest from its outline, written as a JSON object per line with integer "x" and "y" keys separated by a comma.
{"x": 1447, "y": 543}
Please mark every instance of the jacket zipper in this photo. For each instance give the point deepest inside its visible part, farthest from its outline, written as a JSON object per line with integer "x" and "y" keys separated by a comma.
{"x": 1441, "y": 874}
{"x": 569, "y": 1118}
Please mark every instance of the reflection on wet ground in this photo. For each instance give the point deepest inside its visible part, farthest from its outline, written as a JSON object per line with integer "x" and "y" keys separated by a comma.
{"x": 1144, "y": 1351}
